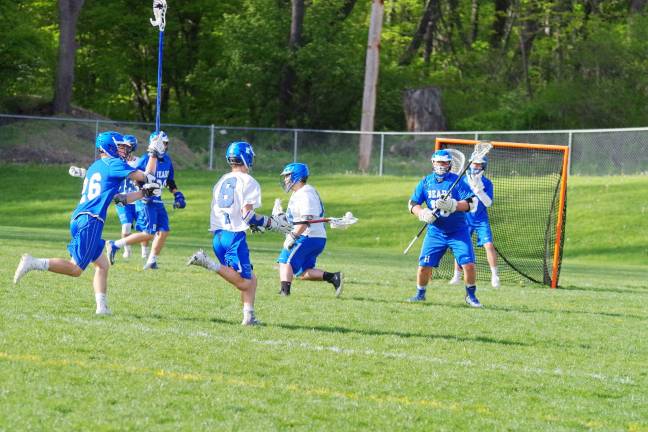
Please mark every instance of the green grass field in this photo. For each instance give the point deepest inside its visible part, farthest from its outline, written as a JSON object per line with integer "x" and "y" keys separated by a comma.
{"x": 175, "y": 357}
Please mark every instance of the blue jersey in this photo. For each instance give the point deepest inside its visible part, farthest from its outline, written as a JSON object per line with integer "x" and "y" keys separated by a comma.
{"x": 100, "y": 185}
{"x": 163, "y": 172}
{"x": 433, "y": 187}
{"x": 480, "y": 214}
{"x": 129, "y": 185}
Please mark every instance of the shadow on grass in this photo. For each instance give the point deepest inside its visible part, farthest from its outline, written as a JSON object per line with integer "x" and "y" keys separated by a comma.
{"x": 498, "y": 308}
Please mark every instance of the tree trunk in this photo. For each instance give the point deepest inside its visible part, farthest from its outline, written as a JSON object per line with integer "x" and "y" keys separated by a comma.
{"x": 370, "y": 83}
{"x": 68, "y": 16}
{"x": 423, "y": 111}
{"x": 637, "y": 6}
{"x": 289, "y": 76}
{"x": 428, "y": 20}
{"x": 499, "y": 29}
{"x": 474, "y": 21}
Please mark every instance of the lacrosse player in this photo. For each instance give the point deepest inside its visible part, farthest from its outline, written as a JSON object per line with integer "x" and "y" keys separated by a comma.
{"x": 127, "y": 214}
{"x": 100, "y": 186}
{"x": 155, "y": 220}
{"x": 235, "y": 197}
{"x": 447, "y": 225}
{"x": 305, "y": 242}
{"x": 477, "y": 218}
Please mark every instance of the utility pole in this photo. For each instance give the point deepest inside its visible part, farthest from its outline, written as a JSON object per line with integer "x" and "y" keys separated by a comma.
{"x": 372, "y": 64}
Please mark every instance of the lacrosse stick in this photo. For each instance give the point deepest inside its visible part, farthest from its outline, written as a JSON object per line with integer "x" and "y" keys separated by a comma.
{"x": 481, "y": 149}
{"x": 159, "y": 12}
{"x": 75, "y": 171}
{"x": 335, "y": 223}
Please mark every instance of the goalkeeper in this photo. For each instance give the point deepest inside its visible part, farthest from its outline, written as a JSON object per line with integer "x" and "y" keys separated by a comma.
{"x": 477, "y": 218}
{"x": 235, "y": 197}
{"x": 102, "y": 181}
{"x": 305, "y": 242}
{"x": 447, "y": 227}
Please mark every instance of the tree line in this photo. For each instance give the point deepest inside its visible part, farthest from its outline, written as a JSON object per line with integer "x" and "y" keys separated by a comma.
{"x": 498, "y": 64}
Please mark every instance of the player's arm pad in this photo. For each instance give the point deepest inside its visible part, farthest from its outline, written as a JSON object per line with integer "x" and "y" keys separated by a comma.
{"x": 484, "y": 198}
{"x": 252, "y": 219}
{"x": 171, "y": 184}
{"x": 410, "y": 206}
{"x": 472, "y": 203}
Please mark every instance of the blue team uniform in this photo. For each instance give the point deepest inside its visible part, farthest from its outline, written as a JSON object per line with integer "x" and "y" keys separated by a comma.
{"x": 478, "y": 219}
{"x": 101, "y": 183}
{"x": 127, "y": 213}
{"x": 448, "y": 230}
{"x": 153, "y": 216}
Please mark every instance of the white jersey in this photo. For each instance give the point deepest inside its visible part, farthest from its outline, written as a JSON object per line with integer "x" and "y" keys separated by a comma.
{"x": 232, "y": 192}
{"x": 306, "y": 202}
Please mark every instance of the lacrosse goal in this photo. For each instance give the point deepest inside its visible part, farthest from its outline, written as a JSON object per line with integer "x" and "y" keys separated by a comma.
{"x": 529, "y": 209}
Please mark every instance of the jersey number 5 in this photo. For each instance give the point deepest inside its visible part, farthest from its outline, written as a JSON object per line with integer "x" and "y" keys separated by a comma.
{"x": 91, "y": 188}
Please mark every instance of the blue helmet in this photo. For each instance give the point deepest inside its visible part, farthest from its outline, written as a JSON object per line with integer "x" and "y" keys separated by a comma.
{"x": 132, "y": 140}
{"x": 483, "y": 160}
{"x": 297, "y": 172}
{"x": 109, "y": 142}
{"x": 240, "y": 153}
{"x": 441, "y": 156}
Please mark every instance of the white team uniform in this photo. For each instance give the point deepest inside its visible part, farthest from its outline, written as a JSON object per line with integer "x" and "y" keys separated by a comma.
{"x": 306, "y": 202}
{"x": 232, "y": 192}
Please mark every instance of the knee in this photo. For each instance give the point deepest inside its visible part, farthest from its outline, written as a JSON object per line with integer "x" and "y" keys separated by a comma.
{"x": 76, "y": 271}
{"x": 468, "y": 267}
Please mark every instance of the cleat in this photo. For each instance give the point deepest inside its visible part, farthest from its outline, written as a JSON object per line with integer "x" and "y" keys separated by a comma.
{"x": 456, "y": 280}
{"x": 471, "y": 298}
{"x": 103, "y": 311}
{"x": 251, "y": 321}
{"x": 199, "y": 259}
{"x": 26, "y": 264}
{"x": 495, "y": 281}
{"x": 111, "y": 250}
{"x": 150, "y": 266}
{"x": 417, "y": 298}
{"x": 338, "y": 283}
{"x": 284, "y": 292}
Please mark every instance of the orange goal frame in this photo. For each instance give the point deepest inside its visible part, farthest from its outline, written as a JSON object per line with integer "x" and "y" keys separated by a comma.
{"x": 563, "y": 186}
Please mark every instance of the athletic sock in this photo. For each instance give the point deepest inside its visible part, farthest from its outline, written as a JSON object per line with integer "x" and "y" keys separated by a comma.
{"x": 41, "y": 264}
{"x": 101, "y": 300}
{"x": 421, "y": 290}
{"x": 285, "y": 287}
{"x": 152, "y": 258}
{"x": 494, "y": 271}
{"x": 145, "y": 251}
{"x": 119, "y": 243}
{"x": 328, "y": 277}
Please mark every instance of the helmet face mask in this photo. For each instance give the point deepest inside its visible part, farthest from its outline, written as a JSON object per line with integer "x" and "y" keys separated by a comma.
{"x": 292, "y": 174}
{"x": 478, "y": 165}
{"x": 131, "y": 143}
{"x": 240, "y": 153}
{"x": 441, "y": 162}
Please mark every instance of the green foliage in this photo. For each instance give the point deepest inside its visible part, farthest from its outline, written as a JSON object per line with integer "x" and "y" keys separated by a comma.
{"x": 223, "y": 63}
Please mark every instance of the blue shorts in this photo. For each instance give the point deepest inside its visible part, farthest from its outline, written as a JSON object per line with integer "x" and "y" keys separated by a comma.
{"x": 152, "y": 218}
{"x": 484, "y": 233}
{"x": 436, "y": 243}
{"x": 303, "y": 255}
{"x": 86, "y": 245}
{"x": 126, "y": 214}
{"x": 231, "y": 249}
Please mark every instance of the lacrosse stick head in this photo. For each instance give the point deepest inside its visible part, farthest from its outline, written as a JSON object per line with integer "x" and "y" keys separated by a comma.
{"x": 458, "y": 160}
{"x": 481, "y": 150}
{"x": 159, "y": 12}
{"x": 343, "y": 222}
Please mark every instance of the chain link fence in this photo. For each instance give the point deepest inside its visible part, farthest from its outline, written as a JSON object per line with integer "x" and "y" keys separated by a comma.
{"x": 26, "y": 139}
